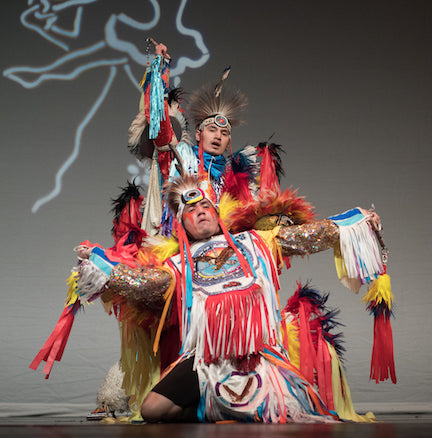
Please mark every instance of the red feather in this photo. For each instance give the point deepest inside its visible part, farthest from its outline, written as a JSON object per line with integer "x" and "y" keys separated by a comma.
{"x": 237, "y": 185}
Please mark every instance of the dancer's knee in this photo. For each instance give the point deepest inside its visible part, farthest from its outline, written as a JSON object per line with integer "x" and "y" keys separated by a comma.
{"x": 156, "y": 408}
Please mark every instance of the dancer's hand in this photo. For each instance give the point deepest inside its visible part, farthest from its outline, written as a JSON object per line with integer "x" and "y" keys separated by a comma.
{"x": 373, "y": 218}
{"x": 83, "y": 251}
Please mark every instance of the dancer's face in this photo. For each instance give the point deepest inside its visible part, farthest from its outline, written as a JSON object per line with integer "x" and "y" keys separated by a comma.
{"x": 200, "y": 220}
{"x": 215, "y": 139}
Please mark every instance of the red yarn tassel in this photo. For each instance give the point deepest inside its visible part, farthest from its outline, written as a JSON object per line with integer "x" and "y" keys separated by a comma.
{"x": 264, "y": 248}
{"x": 382, "y": 363}
{"x": 324, "y": 372}
{"x": 185, "y": 253}
{"x": 307, "y": 349}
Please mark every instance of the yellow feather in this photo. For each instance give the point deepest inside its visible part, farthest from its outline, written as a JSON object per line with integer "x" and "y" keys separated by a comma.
{"x": 380, "y": 291}
{"x": 226, "y": 205}
{"x": 165, "y": 248}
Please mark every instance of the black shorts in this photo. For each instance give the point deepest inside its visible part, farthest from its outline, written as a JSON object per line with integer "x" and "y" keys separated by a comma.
{"x": 181, "y": 385}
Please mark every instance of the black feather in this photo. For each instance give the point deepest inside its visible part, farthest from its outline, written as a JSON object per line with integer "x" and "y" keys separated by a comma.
{"x": 275, "y": 150}
{"x": 176, "y": 95}
{"x": 241, "y": 163}
{"x": 131, "y": 191}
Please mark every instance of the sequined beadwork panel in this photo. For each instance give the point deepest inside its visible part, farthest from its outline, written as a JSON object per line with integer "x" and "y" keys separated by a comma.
{"x": 308, "y": 238}
{"x": 143, "y": 286}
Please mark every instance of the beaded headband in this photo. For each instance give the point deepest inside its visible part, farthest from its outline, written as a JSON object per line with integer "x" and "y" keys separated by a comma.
{"x": 218, "y": 119}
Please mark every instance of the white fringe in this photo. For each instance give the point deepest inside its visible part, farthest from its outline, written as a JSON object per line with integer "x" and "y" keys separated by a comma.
{"x": 360, "y": 253}
{"x": 196, "y": 332}
{"x": 153, "y": 204}
{"x": 91, "y": 280}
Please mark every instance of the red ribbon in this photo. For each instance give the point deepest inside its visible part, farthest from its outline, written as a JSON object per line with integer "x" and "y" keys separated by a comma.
{"x": 54, "y": 347}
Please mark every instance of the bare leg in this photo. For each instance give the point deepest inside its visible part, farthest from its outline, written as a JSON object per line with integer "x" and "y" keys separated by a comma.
{"x": 157, "y": 407}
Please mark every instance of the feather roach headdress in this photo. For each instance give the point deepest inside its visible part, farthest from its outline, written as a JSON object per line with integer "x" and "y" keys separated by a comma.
{"x": 218, "y": 105}
{"x": 183, "y": 191}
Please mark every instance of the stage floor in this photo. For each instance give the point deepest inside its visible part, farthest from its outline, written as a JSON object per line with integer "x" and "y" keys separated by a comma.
{"x": 391, "y": 425}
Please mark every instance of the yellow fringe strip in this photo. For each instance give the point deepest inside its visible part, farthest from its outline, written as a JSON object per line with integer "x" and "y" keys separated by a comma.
{"x": 141, "y": 106}
{"x": 293, "y": 343}
{"x": 142, "y": 370}
{"x": 380, "y": 291}
{"x": 118, "y": 420}
{"x": 342, "y": 394}
{"x": 72, "y": 282}
{"x": 339, "y": 263}
{"x": 269, "y": 237}
{"x": 351, "y": 283}
{"x": 143, "y": 79}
